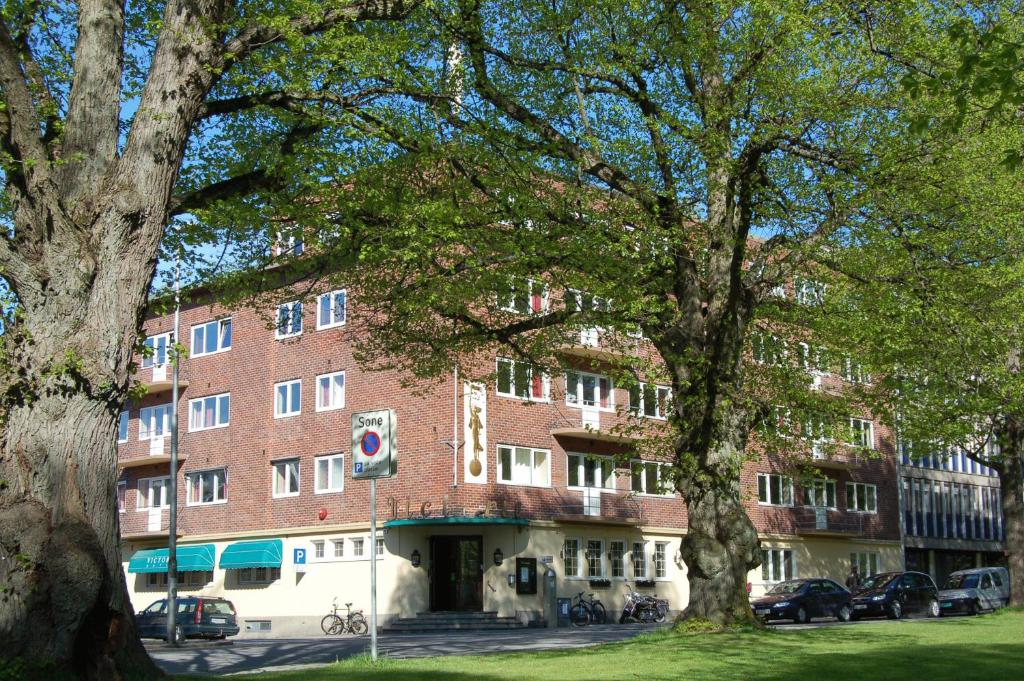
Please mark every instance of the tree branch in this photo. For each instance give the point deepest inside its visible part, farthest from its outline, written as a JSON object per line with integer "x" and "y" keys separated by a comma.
{"x": 21, "y": 111}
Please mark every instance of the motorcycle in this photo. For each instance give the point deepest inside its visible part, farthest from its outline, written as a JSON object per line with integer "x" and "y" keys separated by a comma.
{"x": 641, "y": 608}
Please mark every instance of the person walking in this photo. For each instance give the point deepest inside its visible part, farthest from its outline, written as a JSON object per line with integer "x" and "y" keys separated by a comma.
{"x": 853, "y": 579}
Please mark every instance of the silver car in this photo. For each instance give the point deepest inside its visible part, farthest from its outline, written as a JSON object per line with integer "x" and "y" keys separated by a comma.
{"x": 974, "y": 590}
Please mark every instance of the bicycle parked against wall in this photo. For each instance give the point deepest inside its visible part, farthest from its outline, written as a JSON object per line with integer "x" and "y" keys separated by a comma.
{"x": 587, "y": 611}
{"x": 353, "y": 622}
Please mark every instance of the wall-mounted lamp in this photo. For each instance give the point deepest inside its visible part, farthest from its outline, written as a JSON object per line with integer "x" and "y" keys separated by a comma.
{"x": 415, "y": 558}
{"x": 498, "y": 556}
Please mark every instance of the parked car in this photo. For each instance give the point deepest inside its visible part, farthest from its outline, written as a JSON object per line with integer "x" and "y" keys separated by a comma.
{"x": 801, "y": 599}
{"x": 971, "y": 591}
{"x": 198, "y": 617}
{"x": 895, "y": 594}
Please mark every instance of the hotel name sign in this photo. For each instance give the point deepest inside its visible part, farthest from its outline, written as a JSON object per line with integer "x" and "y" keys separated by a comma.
{"x": 492, "y": 508}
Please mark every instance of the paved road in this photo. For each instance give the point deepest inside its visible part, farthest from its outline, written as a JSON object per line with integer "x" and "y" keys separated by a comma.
{"x": 250, "y": 655}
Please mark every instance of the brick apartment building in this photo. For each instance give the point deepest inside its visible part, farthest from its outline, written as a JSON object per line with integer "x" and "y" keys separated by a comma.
{"x": 542, "y": 479}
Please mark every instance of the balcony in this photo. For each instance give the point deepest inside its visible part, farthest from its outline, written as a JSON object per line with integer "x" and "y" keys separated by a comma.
{"x": 823, "y": 522}
{"x": 835, "y": 460}
{"x": 599, "y": 507}
{"x": 597, "y": 344}
{"x": 159, "y": 453}
{"x": 158, "y": 379}
{"x": 589, "y": 428}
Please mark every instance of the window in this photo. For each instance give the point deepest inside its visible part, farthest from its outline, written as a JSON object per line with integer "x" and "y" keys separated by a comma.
{"x": 647, "y": 399}
{"x": 588, "y": 390}
{"x": 380, "y": 546}
{"x": 157, "y": 580}
{"x": 778, "y": 423}
{"x": 775, "y": 490}
{"x": 209, "y": 412}
{"x": 808, "y": 291}
{"x": 318, "y": 548}
{"x": 154, "y": 422}
{"x": 647, "y": 477}
{"x": 155, "y": 350}
{"x": 122, "y": 491}
{"x": 811, "y": 359}
{"x": 571, "y": 556}
{"x": 821, "y": 493}
{"x": 854, "y": 371}
{"x": 595, "y": 564}
{"x": 122, "y": 427}
{"x": 330, "y": 391}
{"x": 816, "y": 429}
{"x": 288, "y": 243}
{"x": 289, "y": 319}
{"x": 638, "y": 559}
{"x": 767, "y": 349}
{"x": 524, "y": 466}
{"x": 195, "y": 579}
{"x": 521, "y": 379}
{"x": 587, "y": 470}
{"x": 329, "y": 473}
{"x": 861, "y": 497}
{"x": 866, "y": 562}
{"x": 524, "y": 296}
{"x": 581, "y": 301}
{"x": 211, "y": 337}
{"x": 617, "y": 558}
{"x": 152, "y": 493}
{"x": 286, "y": 478}
{"x": 660, "y": 560}
{"x": 861, "y": 434}
{"x": 258, "y": 575}
{"x": 339, "y": 548}
{"x": 207, "y": 487}
{"x": 357, "y": 548}
{"x": 331, "y": 309}
{"x": 777, "y": 565}
{"x": 287, "y": 399}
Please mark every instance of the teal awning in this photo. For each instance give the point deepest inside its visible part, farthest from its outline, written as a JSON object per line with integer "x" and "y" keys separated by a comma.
{"x": 252, "y": 554}
{"x": 191, "y": 558}
{"x": 455, "y": 520}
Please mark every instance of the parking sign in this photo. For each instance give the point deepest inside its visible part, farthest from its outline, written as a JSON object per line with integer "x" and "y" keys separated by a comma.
{"x": 374, "y": 438}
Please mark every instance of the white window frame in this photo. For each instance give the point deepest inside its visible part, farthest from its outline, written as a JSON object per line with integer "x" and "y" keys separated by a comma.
{"x": 358, "y": 543}
{"x": 332, "y": 392}
{"x": 862, "y": 433}
{"x": 141, "y": 496}
{"x": 811, "y": 493}
{"x": 644, "y": 563}
{"x": 218, "y": 327}
{"x": 335, "y": 544}
{"x": 779, "y": 422}
{"x": 785, "y": 483}
{"x": 773, "y": 563}
{"x": 288, "y": 390}
{"x": 196, "y": 477}
{"x": 147, "y": 421}
{"x": 868, "y": 562}
{"x": 808, "y": 291}
{"x": 578, "y": 402}
{"x": 854, "y": 372}
{"x": 258, "y": 575}
{"x": 588, "y": 556}
{"x": 121, "y": 495}
{"x": 644, "y": 465}
{"x": 621, "y": 558}
{"x": 333, "y": 486}
{"x": 859, "y": 497}
{"x": 506, "y": 477}
{"x": 575, "y": 574}
{"x": 381, "y": 548}
{"x": 288, "y": 242}
{"x": 767, "y": 349}
{"x": 332, "y": 309}
{"x": 662, "y": 397}
{"x": 192, "y": 428}
{"x": 529, "y": 373}
{"x": 581, "y": 470}
{"x": 288, "y": 476}
{"x": 517, "y": 288}
{"x": 319, "y": 549}
{"x": 122, "y": 427}
{"x": 291, "y": 307}
{"x": 150, "y": 361}
{"x": 664, "y": 561}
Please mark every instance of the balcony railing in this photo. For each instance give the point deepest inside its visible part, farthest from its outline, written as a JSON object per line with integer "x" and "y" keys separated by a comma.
{"x": 824, "y": 521}
{"x": 595, "y": 505}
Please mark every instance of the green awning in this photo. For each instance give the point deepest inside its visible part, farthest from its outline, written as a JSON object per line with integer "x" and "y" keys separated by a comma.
{"x": 191, "y": 558}
{"x": 455, "y": 520}
{"x": 252, "y": 554}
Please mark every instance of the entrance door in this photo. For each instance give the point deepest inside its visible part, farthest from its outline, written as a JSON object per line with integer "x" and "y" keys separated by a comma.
{"x": 456, "y": 580}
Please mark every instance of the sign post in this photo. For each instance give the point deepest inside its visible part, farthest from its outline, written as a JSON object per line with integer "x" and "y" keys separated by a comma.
{"x": 374, "y": 455}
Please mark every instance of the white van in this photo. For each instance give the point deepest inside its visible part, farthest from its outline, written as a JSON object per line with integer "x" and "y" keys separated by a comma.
{"x": 974, "y": 590}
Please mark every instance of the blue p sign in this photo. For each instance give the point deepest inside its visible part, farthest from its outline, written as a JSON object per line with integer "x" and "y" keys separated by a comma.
{"x": 300, "y": 556}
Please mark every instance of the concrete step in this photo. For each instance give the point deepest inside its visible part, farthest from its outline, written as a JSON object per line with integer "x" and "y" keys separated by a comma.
{"x": 433, "y": 621}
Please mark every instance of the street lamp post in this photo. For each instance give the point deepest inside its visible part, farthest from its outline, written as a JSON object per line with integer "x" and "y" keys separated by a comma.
{"x": 172, "y": 525}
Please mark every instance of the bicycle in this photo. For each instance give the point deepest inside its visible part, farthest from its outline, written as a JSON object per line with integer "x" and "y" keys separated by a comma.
{"x": 597, "y": 611}
{"x": 579, "y": 613}
{"x": 353, "y": 622}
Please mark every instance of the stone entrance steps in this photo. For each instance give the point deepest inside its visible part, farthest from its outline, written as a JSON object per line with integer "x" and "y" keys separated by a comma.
{"x": 434, "y": 621}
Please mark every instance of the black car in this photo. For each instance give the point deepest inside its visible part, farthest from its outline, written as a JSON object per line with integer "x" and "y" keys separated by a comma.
{"x": 801, "y": 599}
{"x": 895, "y": 594}
{"x": 198, "y": 617}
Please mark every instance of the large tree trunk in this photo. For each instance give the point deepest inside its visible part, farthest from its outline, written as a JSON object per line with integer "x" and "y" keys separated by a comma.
{"x": 1011, "y": 487}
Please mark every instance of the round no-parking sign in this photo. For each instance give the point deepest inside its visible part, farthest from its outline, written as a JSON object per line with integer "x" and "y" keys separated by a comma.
{"x": 370, "y": 444}
{"x": 373, "y": 444}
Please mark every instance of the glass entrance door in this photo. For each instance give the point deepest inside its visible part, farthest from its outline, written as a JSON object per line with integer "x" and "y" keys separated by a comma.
{"x": 456, "y": 578}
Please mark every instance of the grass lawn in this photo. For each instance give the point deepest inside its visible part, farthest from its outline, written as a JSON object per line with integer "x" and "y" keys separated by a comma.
{"x": 990, "y": 647}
